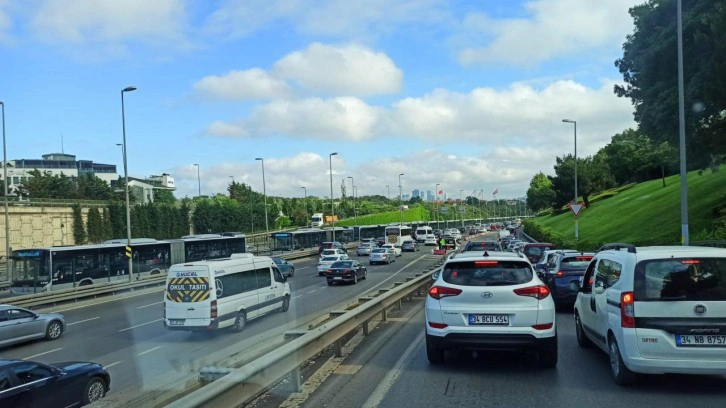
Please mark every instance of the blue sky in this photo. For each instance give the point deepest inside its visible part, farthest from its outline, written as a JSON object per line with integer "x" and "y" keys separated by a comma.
{"x": 468, "y": 94}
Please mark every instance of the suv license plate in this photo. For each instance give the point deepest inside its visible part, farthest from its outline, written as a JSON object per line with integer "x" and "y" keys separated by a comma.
{"x": 176, "y": 322}
{"x": 700, "y": 340}
{"x": 489, "y": 319}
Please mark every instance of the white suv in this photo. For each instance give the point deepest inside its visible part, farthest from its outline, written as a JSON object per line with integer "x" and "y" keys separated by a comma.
{"x": 490, "y": 301}
{"x": 655, "y": 310}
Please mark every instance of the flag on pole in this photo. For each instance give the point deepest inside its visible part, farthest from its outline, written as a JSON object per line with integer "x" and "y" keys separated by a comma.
{"x": 495, "y": 192}
{"x": 441, "y": 192}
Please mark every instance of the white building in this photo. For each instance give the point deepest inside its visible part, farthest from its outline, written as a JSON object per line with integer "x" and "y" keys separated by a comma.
{"x": 143, "y": 190}
{"x": 57, "y": 164}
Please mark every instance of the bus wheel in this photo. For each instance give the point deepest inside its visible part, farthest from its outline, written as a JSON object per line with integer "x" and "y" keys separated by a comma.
{"x": 155, "y": 272}
{"x": 85, "y": 283}
{"x": 240, "y": 322}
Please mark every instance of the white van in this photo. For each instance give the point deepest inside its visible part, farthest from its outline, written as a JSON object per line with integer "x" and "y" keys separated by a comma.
{"x": 425, "y": 235}
{"x": 220, "y": 293}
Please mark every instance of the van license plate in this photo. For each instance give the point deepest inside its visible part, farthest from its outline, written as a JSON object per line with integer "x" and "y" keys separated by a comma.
{"x": 176, "y": 322}
{"x": 489, "y": 319}
{"x": 700, "y": 340}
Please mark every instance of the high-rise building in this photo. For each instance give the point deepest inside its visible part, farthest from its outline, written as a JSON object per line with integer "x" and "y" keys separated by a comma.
{"x": 416, "y": 193}
{"x": 429, "y": 195}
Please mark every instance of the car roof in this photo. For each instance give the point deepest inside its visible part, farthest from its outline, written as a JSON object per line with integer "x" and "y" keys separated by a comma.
{"x": 493, "y": 255}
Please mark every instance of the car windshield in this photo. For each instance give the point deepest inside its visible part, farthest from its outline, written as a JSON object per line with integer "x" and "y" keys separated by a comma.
{"x": 487, "y": 273}
{"x": 692, "y": 279}
{"x": 329, "y": 259}
{"x": 575, "y": 262}
{"x": 380, "y": 251}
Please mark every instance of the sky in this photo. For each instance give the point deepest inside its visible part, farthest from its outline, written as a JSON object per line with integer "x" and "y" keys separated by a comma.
{"x": 467, "y": 94}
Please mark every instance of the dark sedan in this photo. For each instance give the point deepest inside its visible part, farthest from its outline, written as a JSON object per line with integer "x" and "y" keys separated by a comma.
{"x": 285, "y": 266}
{"x": 31, "y": 384}
{"x": 568, "y": 267}
{"x": 346, "y": 271}
{"x": 409, "y": 246}
{"x": 380, "y": 241}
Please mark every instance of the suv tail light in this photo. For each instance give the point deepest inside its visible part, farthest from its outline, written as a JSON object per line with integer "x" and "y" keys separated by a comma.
{"x": 213, "y": 310}
{"x": 627, "y": 310}
{"x": 559, "y": 274}
{"x": 538, "y": 292}
{"x": 438, "y": 292}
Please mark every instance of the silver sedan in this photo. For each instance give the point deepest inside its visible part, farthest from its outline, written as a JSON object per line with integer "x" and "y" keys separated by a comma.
{"x": 18, "y": 325}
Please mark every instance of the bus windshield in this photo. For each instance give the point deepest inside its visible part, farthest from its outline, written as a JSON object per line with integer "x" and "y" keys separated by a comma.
{"x": 29, "y": 266}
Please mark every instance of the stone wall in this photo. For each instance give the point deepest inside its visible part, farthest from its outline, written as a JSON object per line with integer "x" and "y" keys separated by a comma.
{"x": 34, "y": 227}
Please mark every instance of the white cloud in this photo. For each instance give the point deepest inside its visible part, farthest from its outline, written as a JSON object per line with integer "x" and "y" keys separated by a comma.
{"x": 344, "y": 70}
{"x": 92, "y": 21}
{"x": 5, "y": 22}
{"x": 554, "y": 28}
{"x": 219, "y": 128}
{"x": 242, "y": 85}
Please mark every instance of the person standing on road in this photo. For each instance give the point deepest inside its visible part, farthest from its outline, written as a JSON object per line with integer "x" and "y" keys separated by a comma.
{"x": 442, "y": 243}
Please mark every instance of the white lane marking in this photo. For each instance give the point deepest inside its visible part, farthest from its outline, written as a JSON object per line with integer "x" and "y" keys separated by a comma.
{"x": 151, "y": 304}
{"x": 397, "y": 272}
{"x": 139, "y": 325}
{"x": 43, "y": 353}
{"x": 313, "y": 291}
{"x": 388, "y": 381}
{"x": 114, "y": 299}
{"x": 149, "y": 350}
{"x": 113, "y": 364}
{"x": 317, "y": 274}
{"x": 298, "y": 296}
{"x": 83, "y": 321}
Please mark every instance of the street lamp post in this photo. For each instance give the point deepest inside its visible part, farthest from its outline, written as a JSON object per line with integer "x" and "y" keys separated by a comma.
{"x": 264, "y": 192}
{"x": 199, "y": 181}
{"x": 388, "y": 188}
{"x": 400, "y": 198}
{"x": 461, "y": 201}
{"x": 682, "y": 130}
{"x": 232, "y": 177}
{"x": 305, "y": 203}
{"x": 436, "y": 206}
{"x": 332, "y": 205}
{"x": 352, "y": 184}
{"x": 5, "y": 182}
{"x": 574, "y": 122}
{"x": 126, "y": 179}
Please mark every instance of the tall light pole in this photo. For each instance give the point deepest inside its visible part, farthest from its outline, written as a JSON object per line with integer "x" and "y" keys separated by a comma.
{"x": 305, "y": 203}
{"x": 400, "y": 198}
{"x": 388, "y": 196}
{"x": 126, "y": 180}
{"x": 682, "y": 132}
{"x": 574, "y": 122}
{"x": 264, "y": 193}
{"x": 352, "y": 185}
{"x": 332, "y": 205}
{"x": 232, "y": 177}
{"x": 5, "y": 183}
{"x": 199, "y": 181}
{"x": 436, "y": 208}
{"x": 461, "y": 201}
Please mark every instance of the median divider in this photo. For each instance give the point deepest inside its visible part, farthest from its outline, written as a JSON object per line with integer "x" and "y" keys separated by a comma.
{"x": 232, "y": 388}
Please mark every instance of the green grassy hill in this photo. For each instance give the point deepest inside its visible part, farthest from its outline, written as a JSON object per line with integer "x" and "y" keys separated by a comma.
{"x": 643, "y": 214}
{"x": 416, "y": 213}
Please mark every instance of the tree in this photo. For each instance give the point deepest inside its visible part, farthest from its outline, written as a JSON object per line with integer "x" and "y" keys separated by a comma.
{"x": 90, "y": 187}
{"x": 649, "y": 69}
{"x": 164, "y": 197}
{"x": 47, "y": 185}
{"x": 540, "y": 194}
{"x": 79, "y": 230}
{"x": 665, "y": 156}
{"x": 593, "y": 175}
{"x": 95, "y": 226}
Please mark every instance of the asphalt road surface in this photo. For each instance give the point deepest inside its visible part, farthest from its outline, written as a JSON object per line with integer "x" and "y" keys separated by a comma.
{"x": 128, "y": 337}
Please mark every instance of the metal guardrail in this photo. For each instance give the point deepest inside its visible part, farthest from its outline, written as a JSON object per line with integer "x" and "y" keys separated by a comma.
{"x": 105, "y": 289}
{"x": 242, "y": 385}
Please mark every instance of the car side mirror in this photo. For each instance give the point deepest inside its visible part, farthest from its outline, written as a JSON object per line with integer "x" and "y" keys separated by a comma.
{"x": 435, "y": 275}
{"x": 575, "y": 286}
{"x": 599, "y": 290}
{"x": 540, "y": 275}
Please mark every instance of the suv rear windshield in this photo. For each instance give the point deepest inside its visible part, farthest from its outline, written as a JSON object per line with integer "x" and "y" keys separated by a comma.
{"x": 483, "y": 246}
{"x": 576, "y": 262}
{"x": 487, "y": 273}
{"x": 695, "y": 279}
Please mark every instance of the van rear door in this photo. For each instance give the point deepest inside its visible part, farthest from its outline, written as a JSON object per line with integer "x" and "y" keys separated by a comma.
{"x": 187, "y": 297}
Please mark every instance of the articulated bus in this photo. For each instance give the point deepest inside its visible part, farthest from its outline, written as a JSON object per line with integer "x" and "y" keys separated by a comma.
{"x": 396, "y": 234}
{"x": 71, "y": 266}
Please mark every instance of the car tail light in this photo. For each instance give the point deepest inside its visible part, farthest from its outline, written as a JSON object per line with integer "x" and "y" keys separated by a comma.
{"x": 486, "y": 263}
{"x": 538, "y": 292}
{"x": 559, "y": 274}
{"x": 543, "y": 326}
{"x": 213, "y": 311}
{"x": 627, "y": 310}
{"x": 690, "y": 262}
{"x": 438, "y": 325}
{"x": 329, "y": 272}
{"x": 438, "y": 292}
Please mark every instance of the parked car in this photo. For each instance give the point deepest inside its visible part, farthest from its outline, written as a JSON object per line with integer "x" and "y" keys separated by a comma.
{"x": 563, "y": 269}
{"x": 655, "y": 310}
{"x": 326, "y": 261}
{"x": 29, "y": 384}
{"x": 482, "y": 246}
{"x": 396, "y": 248}
{"x": 382, "y": 255}
{"x": 489, "y": 303}
{"x": 409, "y": 246}
{"x": 365, "y": 248}
{"x": 286, "y": 267}
{"x": 346, "y": 271}
{"x": 18, "y": 325}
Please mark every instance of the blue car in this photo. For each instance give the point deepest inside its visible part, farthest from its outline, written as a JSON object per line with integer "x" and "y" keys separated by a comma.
{"x": 286, "y": 268}
{"x": 565, "y": 268}
{"x": 30, "y": 384}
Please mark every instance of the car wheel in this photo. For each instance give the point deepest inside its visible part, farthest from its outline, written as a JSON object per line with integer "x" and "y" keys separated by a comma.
{"x": 355, "y": 278}
{"x": 621, "y": 374}
{"x": 54, "y": 330}
{"x": 582, "y": 339}
{"x": 365, "y": 274}
{"x": 95, "y": 390}
{"x": 292, "y": 272}
{"x": 240, "y": 322}
{"x": 330, "y": 283}
{"x": 433, "y": 353}
{"x": 285, "y": 304}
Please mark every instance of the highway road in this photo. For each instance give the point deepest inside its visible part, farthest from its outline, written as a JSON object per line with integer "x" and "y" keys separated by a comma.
{"x": 128, "y": 337}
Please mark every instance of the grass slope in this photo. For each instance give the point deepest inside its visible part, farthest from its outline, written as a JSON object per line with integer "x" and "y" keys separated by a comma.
{"x": 416, "y": 213}
{"x": 645, "y": 213}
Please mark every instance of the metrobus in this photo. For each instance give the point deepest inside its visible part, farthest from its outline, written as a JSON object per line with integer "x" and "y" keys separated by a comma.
{"x": 396, "y": 234}
{"x": 39, "y": 270}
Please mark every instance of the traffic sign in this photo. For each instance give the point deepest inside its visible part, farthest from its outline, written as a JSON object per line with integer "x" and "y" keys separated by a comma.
{"x": 576, "y": 208}
{"x": 128, "y": 252}
{"x": 444, "y": 210}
